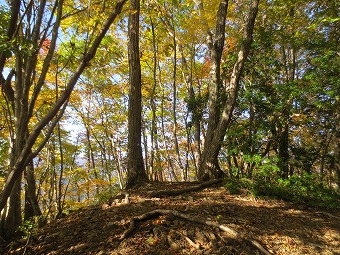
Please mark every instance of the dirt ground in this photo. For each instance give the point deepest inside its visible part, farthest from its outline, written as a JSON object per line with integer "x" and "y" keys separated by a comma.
{"x": 279, "y": 227}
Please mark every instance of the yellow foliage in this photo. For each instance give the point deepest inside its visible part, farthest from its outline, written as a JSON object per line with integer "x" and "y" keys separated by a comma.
{"x": 2, "y": 182}
{"x": 298, "y": 118}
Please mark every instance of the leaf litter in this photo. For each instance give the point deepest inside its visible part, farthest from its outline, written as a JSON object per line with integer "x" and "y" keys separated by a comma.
{"x": 280, "y": 227}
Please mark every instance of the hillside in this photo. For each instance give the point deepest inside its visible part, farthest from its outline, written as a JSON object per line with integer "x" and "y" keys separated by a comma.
{"x": 207, "y": 221}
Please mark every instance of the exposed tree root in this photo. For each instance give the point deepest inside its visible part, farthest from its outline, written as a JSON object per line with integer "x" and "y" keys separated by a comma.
{"x": 329, "y": 215}
{"x": 164, "y": 193}
{"x": 187, "y": 239}
{"x": 231, "y": 232}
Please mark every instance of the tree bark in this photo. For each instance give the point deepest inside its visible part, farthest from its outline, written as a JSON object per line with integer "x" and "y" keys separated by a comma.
{"x": 31, "y": 202}
{"x": 215, "y": 84}
{"x": 174, "y": 97}
{"x": 154, "y": 132}
{"x": 283, "y": 152}
{"x": 12, "y": 219}
{"x": 209, "y": 167}
{"x": 136, "y": 174}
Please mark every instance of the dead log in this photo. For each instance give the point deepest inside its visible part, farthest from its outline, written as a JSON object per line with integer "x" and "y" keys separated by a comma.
{"x": 164, "y": 193}
{"x": 231, "y": 232}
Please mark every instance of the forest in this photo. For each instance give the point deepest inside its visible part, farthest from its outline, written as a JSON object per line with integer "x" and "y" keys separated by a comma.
{"x": 98, "y": 97}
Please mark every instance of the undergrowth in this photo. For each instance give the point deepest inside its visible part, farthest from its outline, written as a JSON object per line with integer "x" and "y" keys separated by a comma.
{"x": 305, "y": 189}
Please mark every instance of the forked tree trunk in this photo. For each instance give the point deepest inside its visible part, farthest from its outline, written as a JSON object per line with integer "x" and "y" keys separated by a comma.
{"x": 209, "y": 167}
{"x": 215, "y": 45}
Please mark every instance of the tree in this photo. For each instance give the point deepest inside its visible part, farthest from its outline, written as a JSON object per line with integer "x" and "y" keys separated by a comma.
{"x": 26, "y": 34}
{"x": 285, "y": 112}
{"x": 135, "y": 166}
{"x": 219, "y": 121}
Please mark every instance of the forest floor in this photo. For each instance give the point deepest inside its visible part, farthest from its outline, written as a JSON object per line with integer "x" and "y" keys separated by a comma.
{"x": 208, "y": 221}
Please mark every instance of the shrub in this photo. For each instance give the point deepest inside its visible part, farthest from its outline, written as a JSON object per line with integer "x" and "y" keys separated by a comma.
{"x": 301, "y": 189}
{"x": 238, "y": 186}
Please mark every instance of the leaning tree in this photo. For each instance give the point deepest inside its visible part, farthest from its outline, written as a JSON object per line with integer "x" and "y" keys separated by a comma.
{"x": 23, "y": 81}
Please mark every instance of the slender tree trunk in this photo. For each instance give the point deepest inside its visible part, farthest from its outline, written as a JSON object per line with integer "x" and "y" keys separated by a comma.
{"x": 136, "y": 174}
{"x": 146, "y": 150}
{"x": 90, "y": 156}
{"x": 174, "y": 97}
{"x": 116, "y": 157}
{"x": 324, "y": 151}
{"x": 54, "y": 182}
{"x": 154, "y": 133}
{"x": 61, "y": 173}
{"x": 194, "y": 107}
{"x": 171, "y": 170}
{"x": 251, "y": 138}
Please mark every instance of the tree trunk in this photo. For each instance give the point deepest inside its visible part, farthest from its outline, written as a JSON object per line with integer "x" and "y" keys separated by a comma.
{"x": 337, "y": 168}
{"x": 209, "y": 167}
{"x": 60, "y": 203}
{"x": 209, "y": 161}
{"x": 289, "y": 63}
{"x": 283, "y": 152}
{"x": 174, "y": 105}
{"x": 194, "y": 108}
{"x": 171, "y": 172}
{"x": 136, "y": 174}
{"x": 154, "y": 157}
{"x": 31, "y": 202}
{"x": 12, "y": 215}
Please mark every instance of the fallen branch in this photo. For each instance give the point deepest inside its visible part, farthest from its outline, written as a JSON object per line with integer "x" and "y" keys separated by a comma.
{"x": 177, "y": 192}
{"x": 232, "y": 233}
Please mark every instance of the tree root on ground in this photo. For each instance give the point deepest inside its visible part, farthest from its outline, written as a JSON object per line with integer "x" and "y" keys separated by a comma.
{"x": 163, "y": 193}
{"x": 231, "y": 232}
{"x": 328, "y": 214}
{"x": 186, "y": 238}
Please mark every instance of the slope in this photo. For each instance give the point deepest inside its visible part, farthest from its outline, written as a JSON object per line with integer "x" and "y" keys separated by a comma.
{"x": 207, "y": 221}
